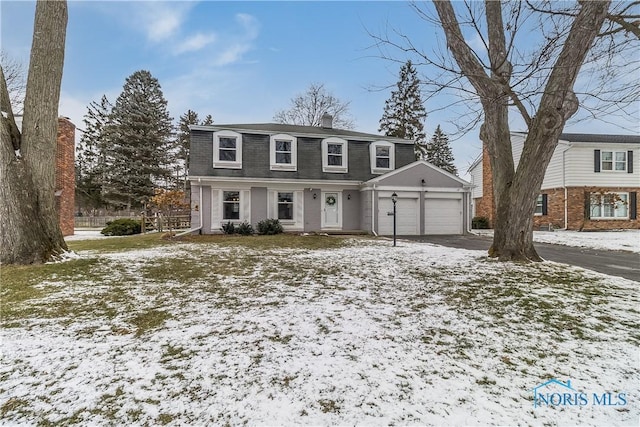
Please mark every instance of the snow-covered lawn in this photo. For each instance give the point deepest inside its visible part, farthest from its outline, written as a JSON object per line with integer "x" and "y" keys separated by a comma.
{"x": 359, "y": 334}
{"x": 620, "y": 240}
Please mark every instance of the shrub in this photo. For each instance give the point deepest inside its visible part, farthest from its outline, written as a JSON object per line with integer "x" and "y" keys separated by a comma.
{"x": 480, "y": 222}
{"x": 122, "y": 227}
{"x": 270, "y": 227}
{"x": 228, "y": 228}
{"x": 244, "y": 229}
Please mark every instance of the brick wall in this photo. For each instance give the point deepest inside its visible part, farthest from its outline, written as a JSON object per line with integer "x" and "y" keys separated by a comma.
{"x": 65, "y": 175}
{"x": 485, "y": 205}
{"x": 576, "y": 210}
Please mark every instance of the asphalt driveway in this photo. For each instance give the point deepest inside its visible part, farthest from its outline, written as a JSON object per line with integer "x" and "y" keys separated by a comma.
{"x": 614, "y": 263}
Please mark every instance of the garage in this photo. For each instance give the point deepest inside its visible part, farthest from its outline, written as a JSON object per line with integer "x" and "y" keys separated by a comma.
{"x": 408, "y": 223}
{"x": 442, "y": 216}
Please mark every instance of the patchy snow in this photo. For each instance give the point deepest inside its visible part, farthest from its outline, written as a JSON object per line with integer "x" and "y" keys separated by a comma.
{"x": 361, "y": 335}
{"x": 85, "y": 235}
{"x": 619, "y": 240}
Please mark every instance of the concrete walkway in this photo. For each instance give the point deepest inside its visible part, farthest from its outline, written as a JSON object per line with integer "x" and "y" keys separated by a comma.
{"x": 613, "y": 263}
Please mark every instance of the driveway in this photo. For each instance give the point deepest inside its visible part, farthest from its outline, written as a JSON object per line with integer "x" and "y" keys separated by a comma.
{"x": 614, "y": 263}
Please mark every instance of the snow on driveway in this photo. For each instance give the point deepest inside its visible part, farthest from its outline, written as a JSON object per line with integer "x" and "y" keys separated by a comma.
{"x": 361, "y": 335}
{"x": 618, "y": 240}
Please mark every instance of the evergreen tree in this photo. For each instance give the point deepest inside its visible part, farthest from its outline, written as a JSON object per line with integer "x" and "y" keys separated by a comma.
{"x": 91, "y": 156}
{"x": 141, "y": 140}
{"x": 438, "y": 152}
{"x": 187, "y": 119}
{"x": 404, "y": 112}
{"x": 208, "y": 121}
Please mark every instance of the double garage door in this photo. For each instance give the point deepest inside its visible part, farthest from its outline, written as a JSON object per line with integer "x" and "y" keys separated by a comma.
{"x": 441, "y": 216}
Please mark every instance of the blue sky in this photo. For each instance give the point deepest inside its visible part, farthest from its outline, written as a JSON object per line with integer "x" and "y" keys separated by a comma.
{"x": 238, "y": 61}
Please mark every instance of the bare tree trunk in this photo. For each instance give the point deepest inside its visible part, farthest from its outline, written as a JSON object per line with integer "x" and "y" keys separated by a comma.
{"x": 30, "y": 229}
{"x": 515, "y": 191}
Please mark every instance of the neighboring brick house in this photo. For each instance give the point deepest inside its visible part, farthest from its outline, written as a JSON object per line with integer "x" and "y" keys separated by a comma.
{"x": 65, "y": 175}
{"x": 591, "y": 183}
{"x": 319, "y": 179}
{"x": 65, "y": 191}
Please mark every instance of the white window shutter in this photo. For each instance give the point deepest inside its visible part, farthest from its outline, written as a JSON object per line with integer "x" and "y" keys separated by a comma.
{"x": 216, "y": 209}
{"x": 246, "y": 206}
{"x": 299, "y": 206}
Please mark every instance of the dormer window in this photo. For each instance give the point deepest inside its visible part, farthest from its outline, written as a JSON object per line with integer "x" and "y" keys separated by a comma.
{"x": 335, "y": 155}
{"x": 382, "y": 155}
{"x": 227, "y": 150}
{"x": 284, "y": 152}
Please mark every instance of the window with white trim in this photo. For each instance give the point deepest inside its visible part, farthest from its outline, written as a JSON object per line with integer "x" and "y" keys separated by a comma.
{"x": 609, "y": 206}
{"x": 613, "y": 161}
{"x": 283, "y": 149}
{"x": 227, "y": 150}
{"x": 539, "y": 205}
{"x": 230, "y": 205}
{"x": 382, "y": 155}
{"x": 285, "y": 206}
{"x": 335, "y": 155}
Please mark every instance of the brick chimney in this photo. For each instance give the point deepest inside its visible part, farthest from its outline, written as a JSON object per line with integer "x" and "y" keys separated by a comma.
{"x": 327, "y": 121}
{"x": 65, "y": 175}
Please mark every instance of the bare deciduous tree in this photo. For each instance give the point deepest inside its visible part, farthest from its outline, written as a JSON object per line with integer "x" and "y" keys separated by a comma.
{"x": 504, "y": 57}
{"x": 30, "y": 229}
{"x": 15, "y": 77}
{"x": 308, "y": 108}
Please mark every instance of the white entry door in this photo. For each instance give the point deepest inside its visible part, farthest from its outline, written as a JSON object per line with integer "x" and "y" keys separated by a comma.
{"x": 331, "y": 210}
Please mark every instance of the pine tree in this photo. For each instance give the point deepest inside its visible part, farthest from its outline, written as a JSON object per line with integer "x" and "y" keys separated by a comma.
{"x": 404, "y": 112}
{"x": 141, "y": 141}
{"x": 438, "y": 152}
{"x": 91, "y": 158}
{"x": 187, "y": 119}
{"x": 208, "y": 121}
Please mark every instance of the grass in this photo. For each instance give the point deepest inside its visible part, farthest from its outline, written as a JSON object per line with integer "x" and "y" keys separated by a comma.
{"x": 204, "y": 306}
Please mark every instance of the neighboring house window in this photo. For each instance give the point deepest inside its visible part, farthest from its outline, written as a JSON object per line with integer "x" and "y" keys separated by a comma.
{"x": 285, "y": 206}
{"x": 609, "y": 206}
{"x": 541, "y": 205}
{"x": 227, "y": 150}
{"x": 284, "y": 153}
{"x": 230, "y": 205}
{"x": 613, "y": 161}
{"x": 334, "y": 155}
{"x": 382, "y": 154}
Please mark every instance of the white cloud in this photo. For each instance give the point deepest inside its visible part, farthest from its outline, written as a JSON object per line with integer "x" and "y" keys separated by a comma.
{"x": 162, "y": 21}
{"x": 237, "y": 47}
{"x": 195, "y": 43}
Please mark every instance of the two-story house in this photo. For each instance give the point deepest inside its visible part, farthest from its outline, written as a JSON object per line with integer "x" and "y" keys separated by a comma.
{"x": 319, "y": 179}
{"x": 591, "y": 183}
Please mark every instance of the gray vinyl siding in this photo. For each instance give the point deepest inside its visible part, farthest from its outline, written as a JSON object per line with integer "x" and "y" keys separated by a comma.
{"x": 205, "y": 206}
{"x": 366, "y": 214}
{"x": 258, "y": 205}
{"x": 351, "y": 210}
{"x": 312, "y": 210}
{"x": 256, "y": 161}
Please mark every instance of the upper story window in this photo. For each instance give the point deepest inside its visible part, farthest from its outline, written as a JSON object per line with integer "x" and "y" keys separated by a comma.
{"x": 335, "y": 155}
{"x": 382, "y": 155}
{"x": 614, "y": 161}
{"x": 227, "y": 150}
{"x": 284, "y": 152}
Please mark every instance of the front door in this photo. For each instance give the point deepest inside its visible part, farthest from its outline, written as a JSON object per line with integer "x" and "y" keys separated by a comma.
{"x": 331, "y": 210}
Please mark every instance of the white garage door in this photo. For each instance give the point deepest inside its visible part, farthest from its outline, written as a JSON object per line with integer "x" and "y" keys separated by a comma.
{"x": 443, "y": 216}
{"x": 408, "y": 216}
